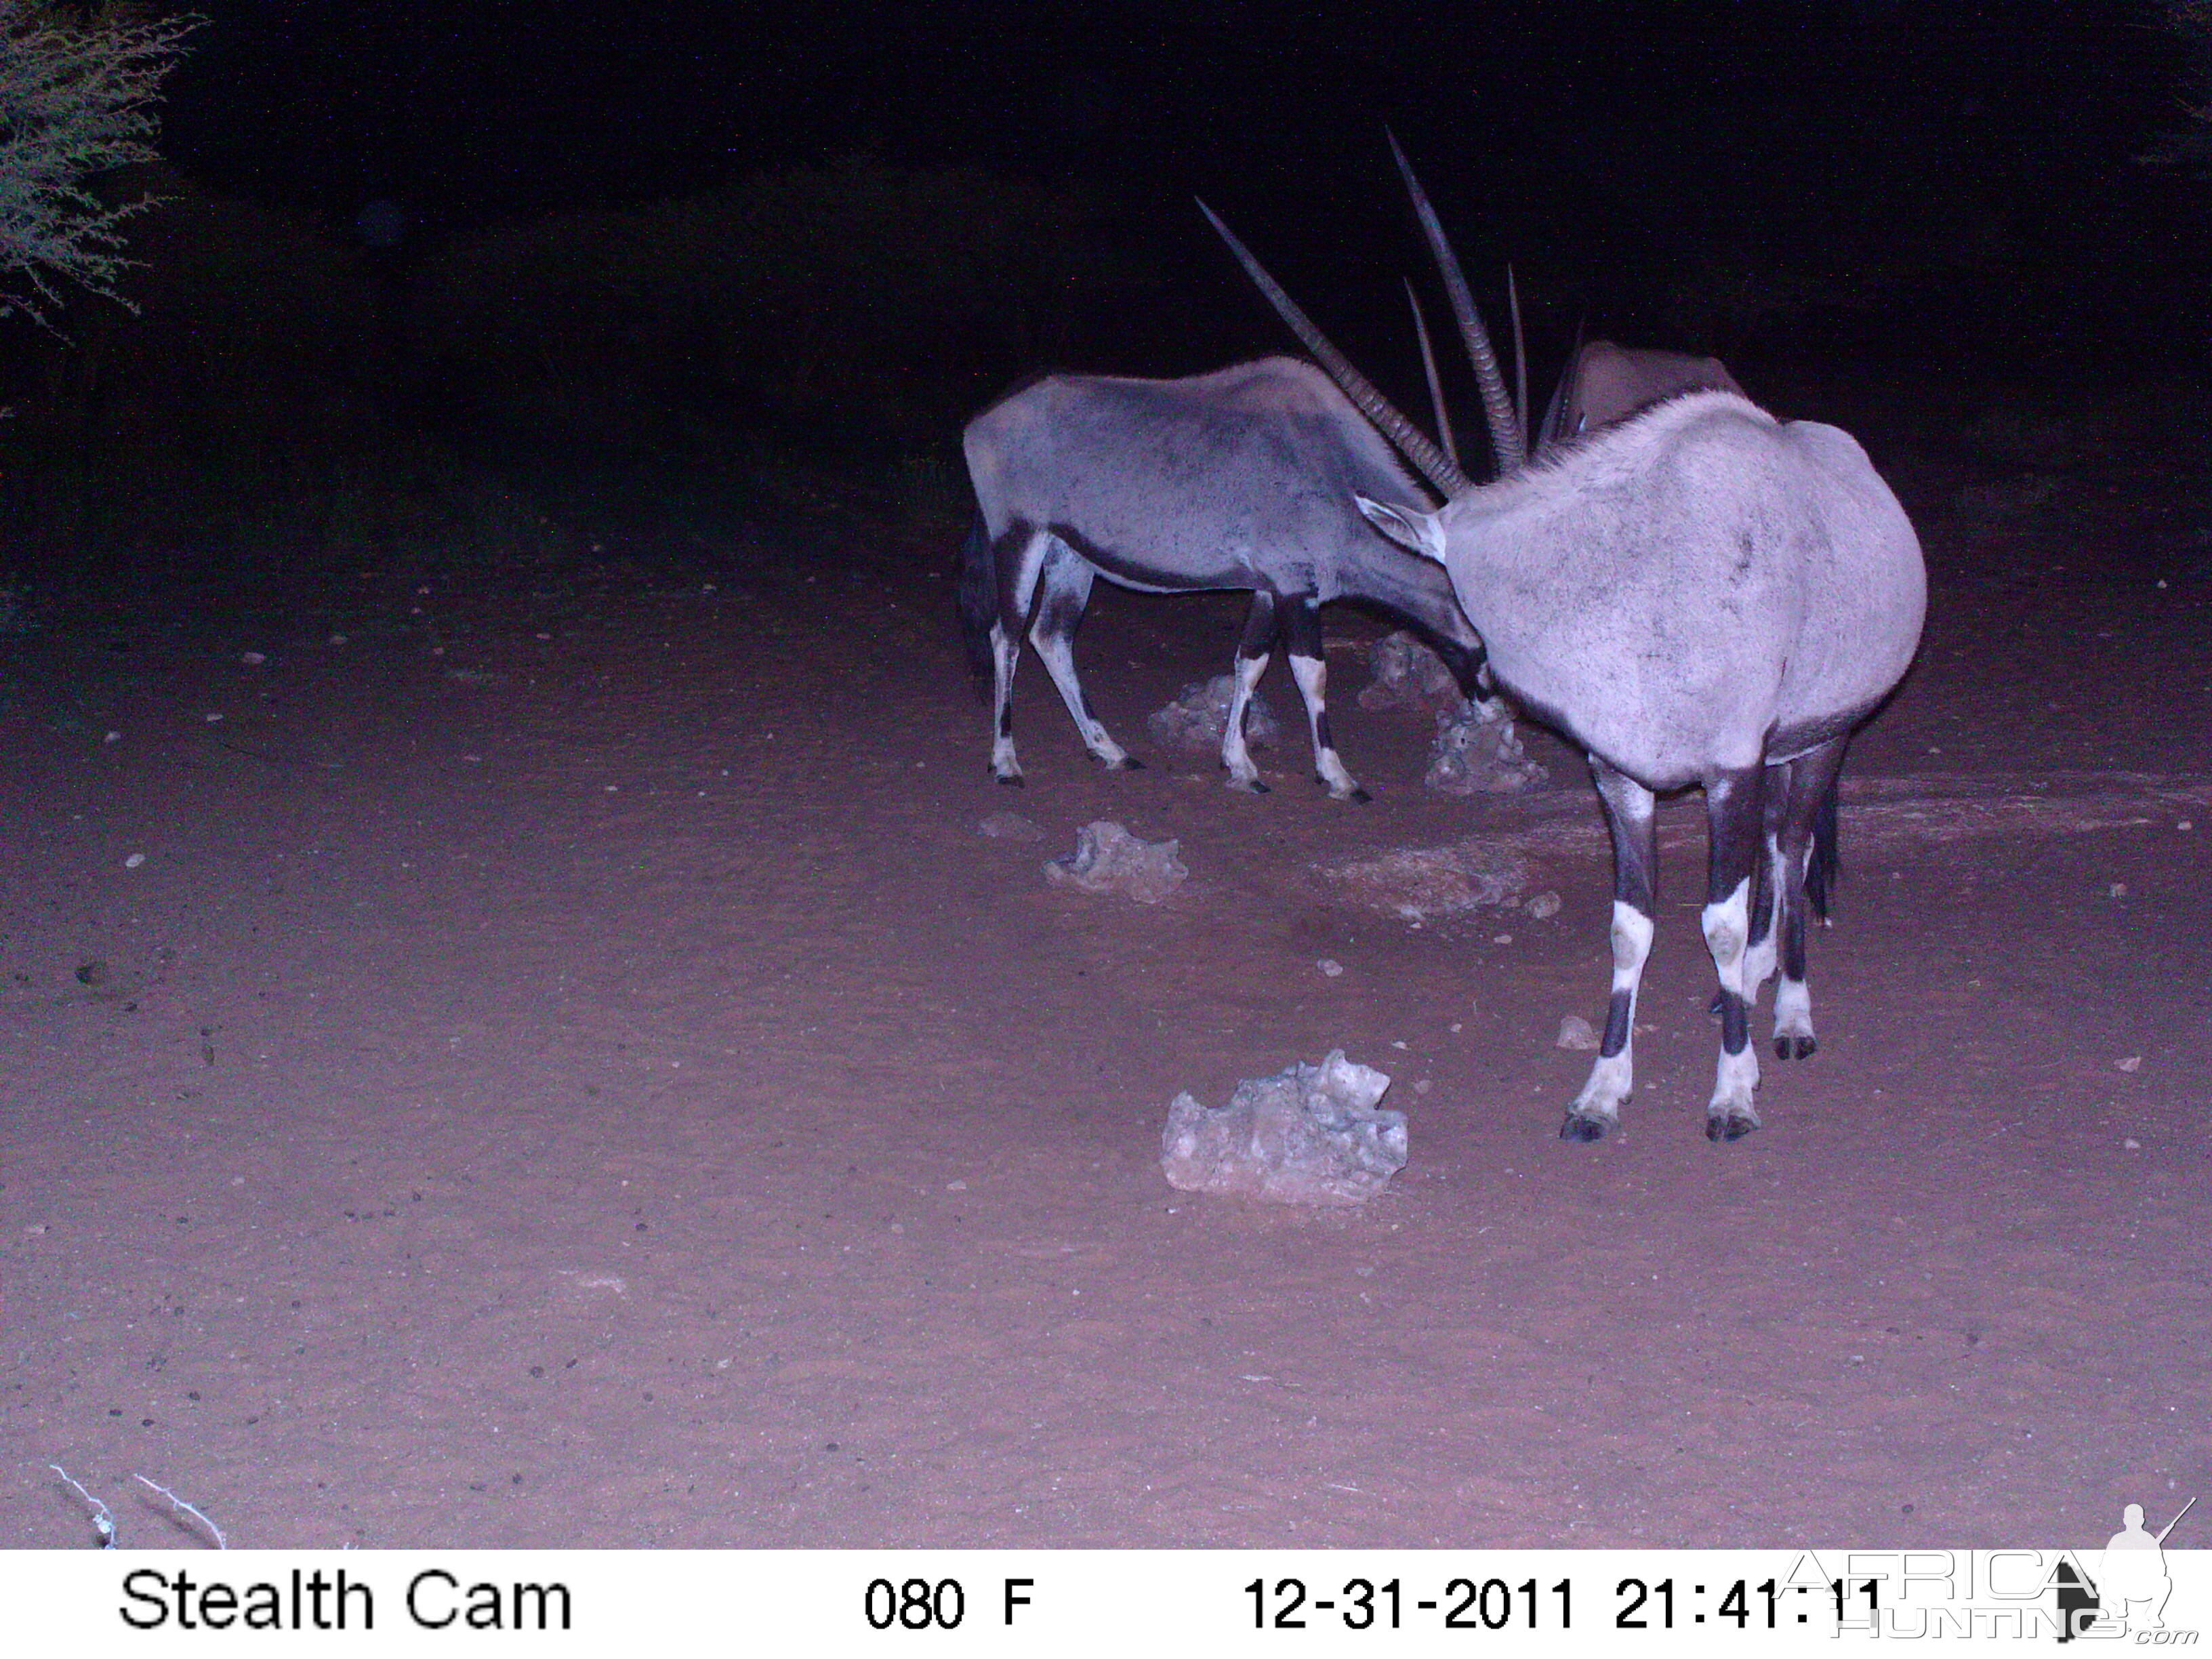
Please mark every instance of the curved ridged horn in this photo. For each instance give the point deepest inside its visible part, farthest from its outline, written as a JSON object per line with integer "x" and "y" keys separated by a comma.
{"x": 1496, "y": 402}
{"x": 1428, "y": 368}
{"x": 1432, "y": 463}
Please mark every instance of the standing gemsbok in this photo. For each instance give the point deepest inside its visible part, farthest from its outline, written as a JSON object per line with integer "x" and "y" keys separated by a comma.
{"x": 1697, "y": 595}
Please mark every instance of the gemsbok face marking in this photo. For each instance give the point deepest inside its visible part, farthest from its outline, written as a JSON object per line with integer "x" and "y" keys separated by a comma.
{"x": 1697, "y": 594}
{"x": 1247, "y": 478}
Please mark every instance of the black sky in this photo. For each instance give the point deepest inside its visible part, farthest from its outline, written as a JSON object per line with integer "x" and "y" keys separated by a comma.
{"x": 487, "y": 107}
{"x": 1596, "y": 135}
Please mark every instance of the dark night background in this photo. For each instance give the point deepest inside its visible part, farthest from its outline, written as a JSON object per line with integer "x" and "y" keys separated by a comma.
{"x": 698, "y": 238}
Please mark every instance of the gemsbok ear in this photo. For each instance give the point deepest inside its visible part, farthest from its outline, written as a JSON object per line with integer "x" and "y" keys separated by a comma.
{"x": 1417, "y": 532}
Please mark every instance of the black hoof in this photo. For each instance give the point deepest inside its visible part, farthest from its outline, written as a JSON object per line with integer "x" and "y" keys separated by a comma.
{"x": 1360, "y": 796}
{"x": 1130, "y": 764}
{"x": 1014, "y": 782}
{"x": 1803, "y": 1047}
{"x": 1577, "y": 1128}
{"x": 1728, "y": 1129}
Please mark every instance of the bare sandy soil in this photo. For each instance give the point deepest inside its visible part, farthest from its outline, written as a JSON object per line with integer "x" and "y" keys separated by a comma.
{"x": 568, "y": 1070}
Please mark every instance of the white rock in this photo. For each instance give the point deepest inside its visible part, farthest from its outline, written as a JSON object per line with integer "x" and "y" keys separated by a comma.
{"x": 1576, "y": 1032}
{"x": 1471, "y": 756}
{"x": 1197, "y": 719}
{"x": 1310, "y": 1134}
{"x": 1407, "y": 674}
{"x": 1108, "y": 859}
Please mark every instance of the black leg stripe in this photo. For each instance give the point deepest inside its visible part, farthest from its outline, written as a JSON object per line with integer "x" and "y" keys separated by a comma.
{"x": 1735, "y": 1023}
{"x": 1619, "y": 1011}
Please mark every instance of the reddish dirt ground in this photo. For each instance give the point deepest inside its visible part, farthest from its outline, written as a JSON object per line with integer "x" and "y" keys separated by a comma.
{"x": 568, "y": 1070}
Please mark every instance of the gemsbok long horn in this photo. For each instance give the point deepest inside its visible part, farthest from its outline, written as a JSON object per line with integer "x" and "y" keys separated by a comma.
{"x": 1496, "y": 402}
{"x": 1428, "y": 368}
{"x": 1439, "y": 469}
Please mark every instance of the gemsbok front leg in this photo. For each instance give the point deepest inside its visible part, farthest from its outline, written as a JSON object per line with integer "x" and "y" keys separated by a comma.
{"x": 1628, "y": 815}
{"x": 1735, "y": 830}
{"x": 1252, "y": 654}
{"x": 1302, "y": 627}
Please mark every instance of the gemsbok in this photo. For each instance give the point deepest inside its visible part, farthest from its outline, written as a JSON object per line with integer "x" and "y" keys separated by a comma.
{"x": 1605, "y": 384}
{"x": 1246, "y": 478}
{"x": 1698, "y": 594}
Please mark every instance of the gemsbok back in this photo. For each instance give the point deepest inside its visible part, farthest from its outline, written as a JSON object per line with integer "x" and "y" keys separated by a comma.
{"x": 1605, "y": 384}
{"x": 1699, "y": 594}
{"x": 1247, "y": 478}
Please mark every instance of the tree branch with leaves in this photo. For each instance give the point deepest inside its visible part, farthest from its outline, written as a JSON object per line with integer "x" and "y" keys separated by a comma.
{"x": 77, "y": 97}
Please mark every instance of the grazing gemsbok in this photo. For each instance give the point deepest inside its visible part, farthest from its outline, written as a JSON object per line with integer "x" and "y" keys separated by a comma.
{"x": 1697, "y": 595}
{"x": 1246, "y": 478}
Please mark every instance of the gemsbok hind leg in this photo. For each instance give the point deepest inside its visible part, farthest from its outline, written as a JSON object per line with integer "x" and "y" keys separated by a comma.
{"x": 1252, "y": 654}
{"x": 1017, "y": 558}
{"x": 1628, "y": 815}
{"x": 1064, "y": 582}
{"x": 1767, "y": 886}
{"x": 1812, "y": 782}
{"x": 1735, "y": 826}
{"x": 1302, "y": 625}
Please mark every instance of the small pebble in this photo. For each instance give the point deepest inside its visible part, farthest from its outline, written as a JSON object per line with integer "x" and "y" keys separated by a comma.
{"x": 1503, "y": 938}
{"x": 1330, "y": 966}
{"x": 956, "y": 1186}
{"x": 338, "y": 639}
{"x": 212, "y": 718}
{"x": 2132, "y": 1063}
{"x": 2131, "y": 1144}
{"x": 251, "y": 659}
{"x": 2119, "y": 889}
{"x": 134, "y": 860}
{"x": 113, "y": 737}
{"x": 1009, "y": 826}
{"x": 2184, "y": 824}
{"x": 1544, "y": 906}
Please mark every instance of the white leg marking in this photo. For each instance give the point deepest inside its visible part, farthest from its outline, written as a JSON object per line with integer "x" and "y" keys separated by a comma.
{"x": 1793, "y": 1011}
{"x": 1242, "y": 774}
{"x": 1759, "y": 960}
{"x": 1792, "y": 1002}
{"x": 1613, "y": 1077}
{"x": 1059, "y": 660}
{"x": 1726, "y": 924}
{"x": 1312, "y": 676}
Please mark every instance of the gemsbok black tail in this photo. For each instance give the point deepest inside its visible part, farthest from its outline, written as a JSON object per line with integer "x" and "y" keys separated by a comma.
{"x": 1825, "y": 866}
{"x": 975, "y": 593}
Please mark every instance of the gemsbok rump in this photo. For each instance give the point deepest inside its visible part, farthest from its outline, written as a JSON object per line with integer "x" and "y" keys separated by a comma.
{"x": 1699, "y": 594}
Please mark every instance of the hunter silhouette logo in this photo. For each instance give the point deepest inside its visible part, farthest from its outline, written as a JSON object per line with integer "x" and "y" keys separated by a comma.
{"x": 2132, "y": 1584}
